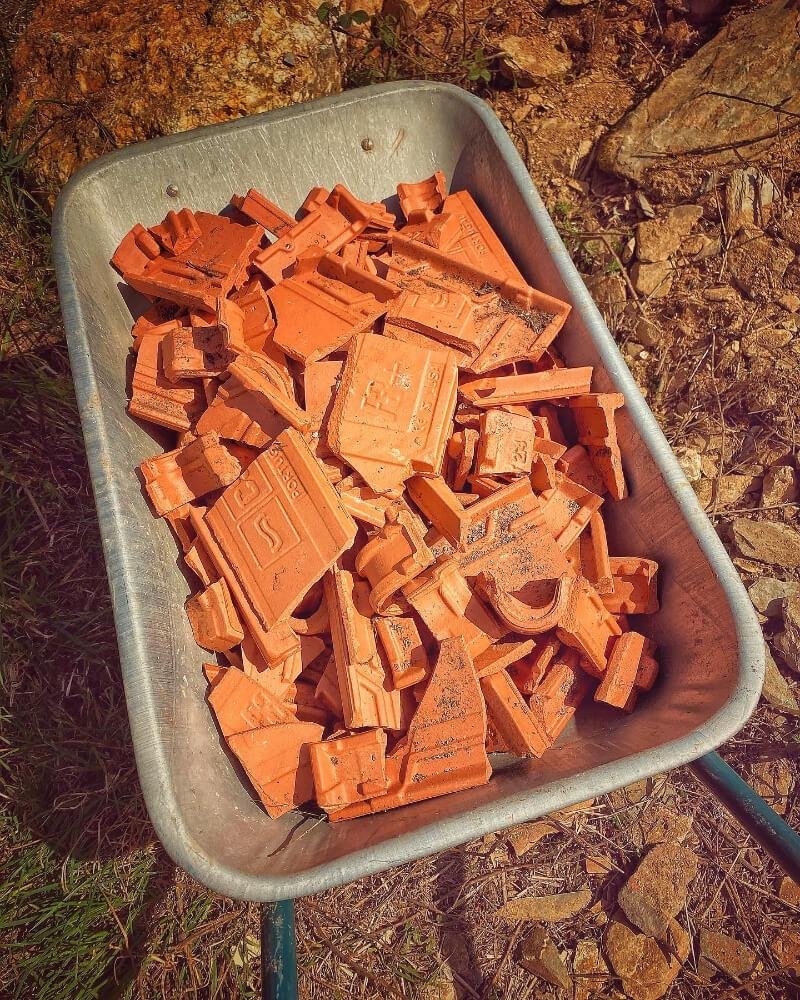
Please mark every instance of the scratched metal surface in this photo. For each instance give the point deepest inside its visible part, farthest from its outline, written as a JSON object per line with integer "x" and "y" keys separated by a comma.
{"x": 711, "y": 647}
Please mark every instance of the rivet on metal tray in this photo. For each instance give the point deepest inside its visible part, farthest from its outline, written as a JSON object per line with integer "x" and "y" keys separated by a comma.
{"x": 172, "y": 190}
{"x": 367, "y": 145}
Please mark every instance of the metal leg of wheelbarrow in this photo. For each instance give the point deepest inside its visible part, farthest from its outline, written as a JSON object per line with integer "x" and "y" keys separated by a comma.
{"x": 278, "y": 953}
{"x": 748, "y": 808}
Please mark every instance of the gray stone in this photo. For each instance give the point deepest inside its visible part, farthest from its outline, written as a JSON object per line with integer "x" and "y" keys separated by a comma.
{"x": 646, "y": 968}
{"x": 528, "y": 60}
{"x": 691, "y": 462}
{"x": 752, "y": 57}
{"x": 720, "y": 951}
{"x": 779, "y": 486}
{"x": 777, "y": 690}
{"x": 652, "y": 280}
{"x": 757, "y": 263}
{"x": 787, "y": 643}
{"x": 610, "y": 294}
{"x": 767, "y": 541}
{"x": 768, "y": 592}
{"x": 656, "y": 891}
{"x": 540, "y": 956}
{"x": 749, "y": 195}
{"x": 658, "y": 239}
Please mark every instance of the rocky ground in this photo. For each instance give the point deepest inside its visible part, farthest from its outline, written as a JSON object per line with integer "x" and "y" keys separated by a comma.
{"x": 669, "y": 161}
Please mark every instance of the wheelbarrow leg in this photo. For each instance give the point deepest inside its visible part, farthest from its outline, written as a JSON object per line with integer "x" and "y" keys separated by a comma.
{"x": 762, "y": 823}
{"x": 278, "y": 952}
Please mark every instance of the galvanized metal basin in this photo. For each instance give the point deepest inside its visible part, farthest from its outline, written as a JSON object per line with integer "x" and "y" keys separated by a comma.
{"x": 710, "y": 640}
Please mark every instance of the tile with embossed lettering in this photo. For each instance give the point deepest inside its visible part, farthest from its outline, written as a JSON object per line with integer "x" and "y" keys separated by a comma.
{"x": 393, "y": 414}
{"x": 278, "y": 528}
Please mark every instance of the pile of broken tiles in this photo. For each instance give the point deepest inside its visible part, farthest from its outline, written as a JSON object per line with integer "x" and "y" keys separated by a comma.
{"x": 387, "y": 486}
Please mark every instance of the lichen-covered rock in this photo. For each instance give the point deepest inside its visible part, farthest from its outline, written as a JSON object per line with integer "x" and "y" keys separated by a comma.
{"x": 754, "y": 58}
{"x": 126, "y": 70}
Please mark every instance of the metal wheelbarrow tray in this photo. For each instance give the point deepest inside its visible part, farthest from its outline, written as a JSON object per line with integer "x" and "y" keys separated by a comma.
{"x": 711, "y": 648}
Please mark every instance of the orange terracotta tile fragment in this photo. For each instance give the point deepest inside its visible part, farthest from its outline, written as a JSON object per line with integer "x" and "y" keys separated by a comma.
{"x": 420, "y": 201}
{"x": 538, "y": 608}
{"x": 576, "y": 465}
{"x": 177, "y": 477}
{"x": 634, "y": 586}
{"x": 365, "y": 505}
{"x": 367, "y": 696}
{"x": 440, "y": 313}
{"x": 444, "y": 749}
{"x": 495, "y": 322}
{"x": 258, "y": 322}
{"x": 445, "y": 602}
{"x": 256, "y": 373}
{"x": 213, "y": 673}
{"x": 461, "y": 449}
{"x": 194, "y": 352}
{"x": 519, "y": 728}
{"x": 619, "y": 680}
{"x": 180, "y": 523}
{"x": 479, "y": 244}
{"x": 594, "y": 558}
{"x": 327, "y": 690}
{"x": 522, "y": 336}
{"x": 310, "y": 617}
{"x": 137, "y": 249}
{"x": 560, "y": 693}
{"x": 159, "y": 319}
{"x": 324, "y": 305}
{"x": 278, "y": 763}
{"x": 406, "y": 335}
{"x": 597, "y": 430}
{"x": 240, "y": 414}
{"x": 519, "y": 389}
{"x": 405, "y": 653}
{"x": 155, "y": 398}
{"x": 555, "y": 431}
{"x": 587, "y": 625}
{"x": 394, "y": 556}
{"x": 349, "y": 769}
{"x": 529, "y": 671}
{"x": 322, "y": 228}
{"x": 240, "y": 704}
{"x": 320, "y": 383}
{"x": 178, "y": 231}
{"x": 392, "y": 415}
{"x": 567, "y": 510}
{"x": 213, "y": 618}
{"x": 275, "y": 531}
{"x": 506, "y": 445}
{"x": 502, "y": 655}
{"x": 647, "y": 674}
{"x": 509, "y": 539}
{"x": 266, "y": 213}
{"x": 208, "y": 269}
{"x": 440, "y": 231}
{"x": 199, "y": 562}
{"x": 255, "y": 666}
{"x": 373, "y": 213}
{"x": 282, "y": 651}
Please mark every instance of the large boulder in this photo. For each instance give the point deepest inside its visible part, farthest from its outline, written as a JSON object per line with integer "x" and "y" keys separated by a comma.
{"x": 754, "y": 59}
{"x": 113, "y": 72}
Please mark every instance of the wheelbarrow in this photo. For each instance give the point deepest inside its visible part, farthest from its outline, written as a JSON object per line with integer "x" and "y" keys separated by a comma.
{"x": 710, "y": 642}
